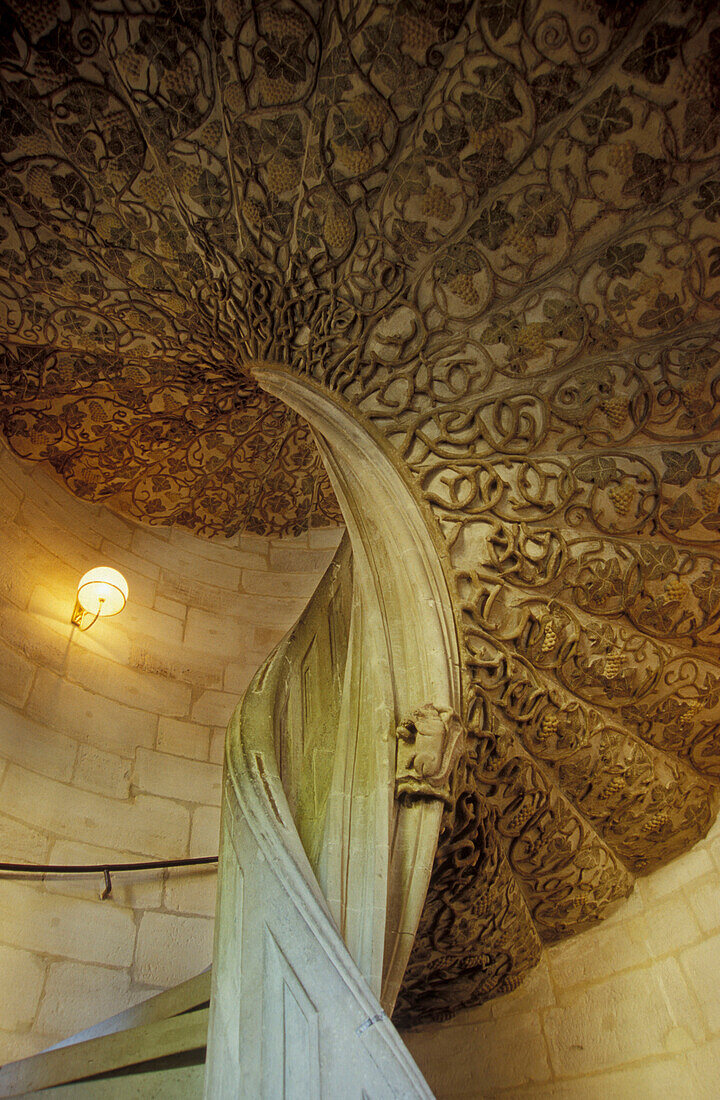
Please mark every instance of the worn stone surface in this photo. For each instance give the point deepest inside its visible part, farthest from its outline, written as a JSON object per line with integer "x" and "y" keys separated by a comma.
{"x": 171, "y": 948}
{"x": 626, "y": 1009}
{"x": 77, "y": 995}
{"x": 100, "y": 760}
{"x": 22, "y": 993}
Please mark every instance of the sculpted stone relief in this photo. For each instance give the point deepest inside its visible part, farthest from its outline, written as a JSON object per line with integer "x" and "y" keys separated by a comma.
{"x": 429, "y": 743}
{"x": 489, "y": 229}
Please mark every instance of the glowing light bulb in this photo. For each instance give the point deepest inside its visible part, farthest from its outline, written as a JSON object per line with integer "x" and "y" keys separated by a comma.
{"x": 101, "y": 591}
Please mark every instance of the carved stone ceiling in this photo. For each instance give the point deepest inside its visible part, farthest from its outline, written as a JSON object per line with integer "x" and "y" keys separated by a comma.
{"x": 492, "y": 229}
{"x": 191, "y": 185}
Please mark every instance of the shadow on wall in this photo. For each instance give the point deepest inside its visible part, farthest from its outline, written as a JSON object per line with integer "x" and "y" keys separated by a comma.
{"x": 111, "y": 742}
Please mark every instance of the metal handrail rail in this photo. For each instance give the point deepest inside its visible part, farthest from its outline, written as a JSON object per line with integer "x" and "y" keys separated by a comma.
{"x": 104, "y": 869}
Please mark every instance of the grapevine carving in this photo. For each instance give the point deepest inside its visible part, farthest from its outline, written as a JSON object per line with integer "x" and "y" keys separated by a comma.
{"x": 489, "y": 229}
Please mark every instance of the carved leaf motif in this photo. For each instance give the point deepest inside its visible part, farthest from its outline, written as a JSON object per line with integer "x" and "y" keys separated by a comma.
{"x": 598, "y": 471}
{"x": 172, "y": 263}
{"x": 448, "y": 139}
{"x": 382, "y": 47}
{"x": 284, "y": 60}
{"x": 334, "y": 78}
{"x": 492, "y": 226}
{"x": 460, "y": 259}
{"x": 682, "y": 514}
{"x": 623, "y": 259}
{"x": 553, "y": 92}
{"x": 708, "y": 199}
{"x": 649, "y": 178}
{"x": 605, "y": 582}
{"x": 667, "y": 313}
{"x": 680, "y": 466}
{"x": 657, "y": 561}
{"x": 606, "y": 116}
{"x": 702, "y": 124}
{"x": 283, "y": 135}
{"x": 659, "y": 47}
{"x": 539, "y": 214}
{"x": 707, "y": 590}
{"x": 499, "y": 14}
{"x": 495, "y": 101}
{"x": 564, "y": 319}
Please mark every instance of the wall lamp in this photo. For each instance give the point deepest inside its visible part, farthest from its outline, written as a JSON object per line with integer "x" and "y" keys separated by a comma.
{"x": 101, "y": 591}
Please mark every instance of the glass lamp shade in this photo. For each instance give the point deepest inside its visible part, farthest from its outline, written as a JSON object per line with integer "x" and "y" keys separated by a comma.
{"x": 102, "y": 591}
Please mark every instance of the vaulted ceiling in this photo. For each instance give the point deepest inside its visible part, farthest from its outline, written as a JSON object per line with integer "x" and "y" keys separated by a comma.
{"x": 191, "y": 186}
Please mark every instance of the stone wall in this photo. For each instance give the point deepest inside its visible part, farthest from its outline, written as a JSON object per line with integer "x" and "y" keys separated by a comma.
{"x": 111, "y": 746}
{"x": 628, "y": 1009}
{"x": 111, "y": 742}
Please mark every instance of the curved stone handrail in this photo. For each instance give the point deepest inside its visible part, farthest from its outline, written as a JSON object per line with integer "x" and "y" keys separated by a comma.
{"x": 404, "y": 654}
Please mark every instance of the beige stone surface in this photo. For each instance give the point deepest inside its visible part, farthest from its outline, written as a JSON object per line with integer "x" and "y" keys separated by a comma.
{"x": 705, "y": 904}
{"x": 239, "y": 674}
{"x": 700, "y": 965}
{"x": 263, "y": 583}
{"x": 587, "y": 958}
{"x": 136, "y": 564}
{"x": 159, "y": 826}
{"x": 23, "y": 978}
{"x": 102, "y": 772}
{"x": 22, "y": 1044}
{"x": 36, "y": 747}
{"x": 77, "y": 995}
{"x": 145, "y": 621}
{"x": 171, "y": 607}
{"x": 171, "y": 948}
{"x": 183, "y": 738}
{"x": 214, "y": 707}
{"x": 205, "y": 831}
{"x": 626, "y": 1011}
{"x": 136, "y": 890}
{"x": 90, "y": 716}
{"x": 189, "y": 564}
{"x": 49, "y": 527}
{"x": 16, "y": 675}
{"x": 242, "y": 553}
{"x": 37, "y": 638}
{"x": 176, "y": 777}
{"x": 224, "y": 637}
{"x": 192, "y": 891}
{"x": 324, "y": 538}
{"x": 284, "y": 556}
{"x": 175, "y": 661}
{"x": 36, "y": 920}
{"x": 21, "y": 843}
{"x": 126, "y": 686}
{"x": 111, "y": 745}
{"x": 217, "y": 745}
{"x": 517, "y": 1056}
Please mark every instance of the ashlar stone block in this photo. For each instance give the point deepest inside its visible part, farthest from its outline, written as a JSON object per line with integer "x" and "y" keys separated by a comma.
{"x": 175, "y": 777}
{"x": 21, "y": 993}
{"x": 79, "y": 994}
{"x": 88, "y": 716}
{"x": 36, "y": 920}
{"x": 171, "y": 948}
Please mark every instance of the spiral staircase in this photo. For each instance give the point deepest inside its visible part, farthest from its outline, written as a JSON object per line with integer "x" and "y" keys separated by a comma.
{"x": 448, "y": 271}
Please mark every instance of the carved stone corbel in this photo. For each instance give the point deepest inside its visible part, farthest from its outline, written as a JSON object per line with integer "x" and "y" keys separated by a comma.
{"x": 429, "y": 743}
